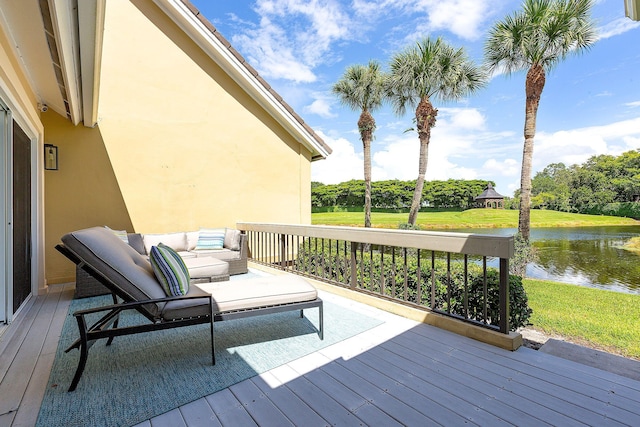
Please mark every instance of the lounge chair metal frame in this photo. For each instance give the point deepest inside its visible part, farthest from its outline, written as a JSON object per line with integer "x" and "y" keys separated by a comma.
{"x": 107, "y": 326}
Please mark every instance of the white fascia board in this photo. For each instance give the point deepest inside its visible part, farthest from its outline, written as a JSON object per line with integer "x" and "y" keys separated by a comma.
{"x": 91, "y": 29}
{"x": 65, "y": 24}
{"x": 632, "y": 9}
{"x": 210, "y": 44}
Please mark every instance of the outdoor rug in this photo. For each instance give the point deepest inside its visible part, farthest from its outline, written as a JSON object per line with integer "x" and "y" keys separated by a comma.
{"x": 144, "y": 375}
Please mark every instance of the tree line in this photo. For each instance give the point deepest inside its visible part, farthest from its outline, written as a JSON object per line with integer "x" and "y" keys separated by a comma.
{"x": 398, "y": 195}
{"x": 604, "y": 184}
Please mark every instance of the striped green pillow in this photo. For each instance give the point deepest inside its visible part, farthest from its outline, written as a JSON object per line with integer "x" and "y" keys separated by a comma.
{"x": 170, "y": 270}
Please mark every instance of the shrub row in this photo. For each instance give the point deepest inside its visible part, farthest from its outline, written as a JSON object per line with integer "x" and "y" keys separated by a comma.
{"x": 624, "y": 209}
{"x": 335, "y": 264}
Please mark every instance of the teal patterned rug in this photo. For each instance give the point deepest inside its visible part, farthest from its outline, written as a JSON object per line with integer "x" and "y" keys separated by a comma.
{"x": 144, "y": 375}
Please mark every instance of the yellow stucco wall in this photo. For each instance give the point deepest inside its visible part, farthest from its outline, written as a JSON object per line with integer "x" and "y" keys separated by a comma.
{"x": 178, "y": 145}
{"x": 82, "y": 193}
{"x": 189, "y": 148}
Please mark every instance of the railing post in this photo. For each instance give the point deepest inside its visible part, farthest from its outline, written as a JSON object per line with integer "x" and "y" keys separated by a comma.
{"x": 354, "y": 268}
{"x": 283, "y": 250}
{"x": 504, "y": 295}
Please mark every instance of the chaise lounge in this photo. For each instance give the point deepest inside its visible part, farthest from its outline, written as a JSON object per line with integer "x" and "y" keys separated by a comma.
{"x": 131, "y": 280}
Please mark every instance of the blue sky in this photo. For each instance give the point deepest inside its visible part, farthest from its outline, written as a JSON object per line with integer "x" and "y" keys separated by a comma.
{"x": 590, "y": 104}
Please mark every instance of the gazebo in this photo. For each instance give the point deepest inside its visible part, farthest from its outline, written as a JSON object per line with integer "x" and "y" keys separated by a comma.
{"x": 490, "y": 198}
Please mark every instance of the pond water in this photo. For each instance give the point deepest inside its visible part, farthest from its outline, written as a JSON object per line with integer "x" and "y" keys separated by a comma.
{"x": 588, "y": 256}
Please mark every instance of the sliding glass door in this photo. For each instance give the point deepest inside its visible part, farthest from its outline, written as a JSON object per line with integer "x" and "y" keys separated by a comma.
{"x": 21, "y": 217}
{"x": 16, "y": 219}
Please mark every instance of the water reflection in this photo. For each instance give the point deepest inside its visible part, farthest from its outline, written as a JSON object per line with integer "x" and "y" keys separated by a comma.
{"x": 588, "y": 256}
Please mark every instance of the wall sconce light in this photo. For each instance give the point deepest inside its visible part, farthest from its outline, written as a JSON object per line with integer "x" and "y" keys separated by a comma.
{"x": 50, "y": 157}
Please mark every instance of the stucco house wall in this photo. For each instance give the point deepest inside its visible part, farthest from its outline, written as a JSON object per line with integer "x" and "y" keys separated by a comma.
{"x": 177, "y": 139}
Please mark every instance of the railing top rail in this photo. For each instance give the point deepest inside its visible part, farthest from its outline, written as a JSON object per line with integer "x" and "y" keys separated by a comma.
{"x": 470, "y": 244}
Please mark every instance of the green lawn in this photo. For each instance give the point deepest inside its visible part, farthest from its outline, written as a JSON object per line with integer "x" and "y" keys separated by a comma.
{"x": 472, "y": 218}
{"x": 593, "y": 317}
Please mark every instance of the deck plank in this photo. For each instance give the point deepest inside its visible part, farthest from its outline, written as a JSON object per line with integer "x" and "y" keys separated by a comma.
{"x": 405, "y": 398}
{"x": 591, "y": 376}
{"x": 172, "y": 418}
{"x": 23, "y": 364}
{"x": 228, "y": 409}
{"x": 553, "y": 408}
{"x": 27, "y": 414}
{"x": 568, "y": 392}
{"x": 445, "y": 397}
{"x": 495, "y": 399}
{"x": 15, "y": 334}
{"x": 199, "y": 414}
{"x": 385, "y": 395}
{"x": 258, "y": 406}
{"x": 322, "y": 404}
{"x": 291, "y": 405}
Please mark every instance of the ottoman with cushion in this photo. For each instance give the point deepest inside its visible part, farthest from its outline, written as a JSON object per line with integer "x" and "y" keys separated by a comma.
{"x": 207, "y": 269}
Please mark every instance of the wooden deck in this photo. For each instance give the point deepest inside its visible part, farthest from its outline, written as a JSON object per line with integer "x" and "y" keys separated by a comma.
{"x": 400, "y": 373}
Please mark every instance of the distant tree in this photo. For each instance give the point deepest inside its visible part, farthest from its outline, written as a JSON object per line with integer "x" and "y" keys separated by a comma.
{"x": 536, "y": 39}
{"x": 362, "y": 88}
{"x": 550, "y": 188}
{"x": 430, "y": 69}
{"x": 396, "y": 194}
{"x": 392, "y": 194}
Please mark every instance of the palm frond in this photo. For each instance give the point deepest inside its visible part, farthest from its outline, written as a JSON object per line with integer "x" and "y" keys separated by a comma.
{"x": 431, "y": 69}
{"x": 544, "y": 32}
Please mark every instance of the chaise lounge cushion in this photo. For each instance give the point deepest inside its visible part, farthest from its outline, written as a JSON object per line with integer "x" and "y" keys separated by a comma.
{"x": 117, "y": 261}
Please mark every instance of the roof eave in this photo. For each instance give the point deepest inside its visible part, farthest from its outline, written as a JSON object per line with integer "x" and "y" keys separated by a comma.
{"x": 64, "y": 21}
{"x": 91, "y": 29}
{"x": 242, "y": 73}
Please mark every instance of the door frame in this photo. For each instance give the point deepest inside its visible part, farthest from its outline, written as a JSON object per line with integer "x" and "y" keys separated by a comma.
{"x": 6, "y": 249}
{"x": 10, "y": 112}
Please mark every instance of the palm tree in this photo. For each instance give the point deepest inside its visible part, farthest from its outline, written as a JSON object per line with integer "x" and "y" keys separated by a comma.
{"x": 362, "y": 88}
{"x": 536, "y": 39}
{"x": 430, "y": 69}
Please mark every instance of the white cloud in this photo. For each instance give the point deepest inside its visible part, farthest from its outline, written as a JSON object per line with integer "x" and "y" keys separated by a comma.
{"x": 577, "y": 145}
{"x": 633, "y": 104}
{"x": 506, "y": 168}
{"x": 342, "y": 165}
{"x": 461, "y": 17}
{"x": 462, "y": 118}
{"x": 617, "y": 27}
{"x": 269, "y": 48}
{"x": 398, "y": 159}
{"x": 294, "y": 36}
{"x": 451, "y": 146}
{"x": 320, "y": 107}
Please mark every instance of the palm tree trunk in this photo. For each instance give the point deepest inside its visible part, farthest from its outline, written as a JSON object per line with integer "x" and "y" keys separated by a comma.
{"x": 425, "y": 120}
{"x": 367, "y": 124}
{"x": 367, "y": 183}
{"x": 534, "y": 85}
